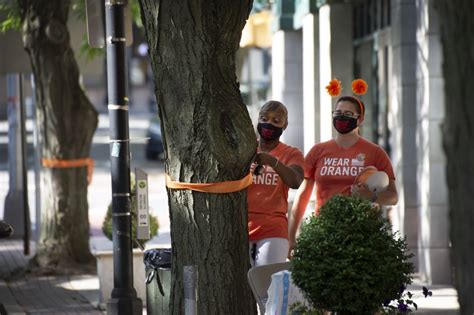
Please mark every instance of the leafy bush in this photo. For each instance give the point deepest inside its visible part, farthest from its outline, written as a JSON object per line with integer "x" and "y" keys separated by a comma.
{"x": 348, "y": 261}
{"x": 107, "y": 224}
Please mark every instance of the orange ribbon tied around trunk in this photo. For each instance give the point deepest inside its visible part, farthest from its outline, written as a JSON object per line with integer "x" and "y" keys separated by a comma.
{"x": 88, "y": 162}
{"x": 215, "y": 188}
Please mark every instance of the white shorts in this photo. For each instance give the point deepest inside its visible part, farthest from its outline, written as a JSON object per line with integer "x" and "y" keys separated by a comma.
{"x": 268, "y": 251}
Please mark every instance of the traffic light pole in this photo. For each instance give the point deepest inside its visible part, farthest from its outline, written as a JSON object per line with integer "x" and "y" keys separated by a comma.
{"x": 124, "y": 297}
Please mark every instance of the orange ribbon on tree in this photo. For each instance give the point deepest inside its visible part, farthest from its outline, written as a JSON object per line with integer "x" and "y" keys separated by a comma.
{"x": 216, "y": 188}
{"x": 88, "y": 162}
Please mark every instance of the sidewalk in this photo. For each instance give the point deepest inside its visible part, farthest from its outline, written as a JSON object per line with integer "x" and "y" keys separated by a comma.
{"x": 443, "y": 302}
{"x": 43, "y": 294}
{"x": 76, "y": 294}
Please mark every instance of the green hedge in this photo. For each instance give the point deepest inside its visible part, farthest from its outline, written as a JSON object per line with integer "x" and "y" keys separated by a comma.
{"x": 348, "y": 261}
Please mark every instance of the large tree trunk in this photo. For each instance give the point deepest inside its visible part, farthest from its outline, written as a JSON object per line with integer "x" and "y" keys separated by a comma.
{"x": 457, "y": 29}
{"x": 67, "y": 121}
{"x": 208, "y": 138}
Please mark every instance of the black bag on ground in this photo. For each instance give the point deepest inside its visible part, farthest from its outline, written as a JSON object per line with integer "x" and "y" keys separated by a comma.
{"x": 5, "y": 229}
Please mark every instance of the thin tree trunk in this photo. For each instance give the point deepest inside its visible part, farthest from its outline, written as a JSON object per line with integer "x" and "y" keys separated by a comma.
{"x": 67, "y": 121}
{"x": 208, "y": 138}
{"x": 457, "y": 29}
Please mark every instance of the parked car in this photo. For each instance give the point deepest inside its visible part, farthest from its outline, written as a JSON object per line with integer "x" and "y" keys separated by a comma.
{"x": 154, "y": 146}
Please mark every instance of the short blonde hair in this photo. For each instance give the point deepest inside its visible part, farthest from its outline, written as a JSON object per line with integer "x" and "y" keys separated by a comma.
{"x": 272, "y": 106}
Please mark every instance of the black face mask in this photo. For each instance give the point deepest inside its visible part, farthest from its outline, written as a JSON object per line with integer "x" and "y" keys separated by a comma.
{"x": 269, "y": 131}
{"x": 344, "y": 124}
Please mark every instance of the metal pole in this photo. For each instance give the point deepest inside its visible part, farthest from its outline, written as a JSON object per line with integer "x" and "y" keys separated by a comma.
{"x": 37, "y": 163}
{"x": 124, "y": 297}
{"x": 14, "y": 208}
{"x": 24, "y": 173}
{"x": 190, "y": 279}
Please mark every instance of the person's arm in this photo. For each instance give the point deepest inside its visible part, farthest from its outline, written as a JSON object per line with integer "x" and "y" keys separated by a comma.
{"x": 291, "y": 175}
{"x": 297, "y": 211}
{"x": 389, "y": 197}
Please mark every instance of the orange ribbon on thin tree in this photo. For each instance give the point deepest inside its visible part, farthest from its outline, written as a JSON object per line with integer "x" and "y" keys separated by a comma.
{"x": 215, "y": 188}
{"x": 88, "y": 162}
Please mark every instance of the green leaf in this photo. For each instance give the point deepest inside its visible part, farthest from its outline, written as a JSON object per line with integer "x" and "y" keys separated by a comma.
{"x": 11, "y": 11}
{"x": 88, "y": 52}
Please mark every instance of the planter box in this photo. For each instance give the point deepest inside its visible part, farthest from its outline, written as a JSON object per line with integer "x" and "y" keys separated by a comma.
{"x": 105, "y": 272}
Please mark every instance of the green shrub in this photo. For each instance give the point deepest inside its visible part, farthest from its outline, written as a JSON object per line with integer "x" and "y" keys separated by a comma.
{"x": 107, "y": 224}
{"x": 348, "y": 261}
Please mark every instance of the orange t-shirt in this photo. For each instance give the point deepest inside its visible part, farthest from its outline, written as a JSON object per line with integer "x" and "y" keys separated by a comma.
{"x": 334, "y": 168}
{"x": 268, "y": 197}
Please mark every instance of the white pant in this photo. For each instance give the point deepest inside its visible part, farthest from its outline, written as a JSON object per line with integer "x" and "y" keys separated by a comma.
{"x": 268, "y": 251}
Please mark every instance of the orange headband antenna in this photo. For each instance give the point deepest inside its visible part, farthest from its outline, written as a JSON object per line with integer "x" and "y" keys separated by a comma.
{"x": 359, "y": 87}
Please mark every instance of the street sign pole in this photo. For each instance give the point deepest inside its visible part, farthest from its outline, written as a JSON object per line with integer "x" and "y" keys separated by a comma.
{"x": 124, "y": 297}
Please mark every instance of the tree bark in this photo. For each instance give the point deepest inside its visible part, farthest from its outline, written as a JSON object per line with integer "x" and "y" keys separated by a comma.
{"x": 67, "y": 121}
{"x": 208, "y": 137}
{"x": 457, "y": 29}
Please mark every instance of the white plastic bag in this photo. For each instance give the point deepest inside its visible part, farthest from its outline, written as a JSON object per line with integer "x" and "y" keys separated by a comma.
{"x": 282, "y": 293}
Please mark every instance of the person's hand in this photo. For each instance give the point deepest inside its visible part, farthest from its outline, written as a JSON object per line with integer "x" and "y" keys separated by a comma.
{"x": 263, "y": 158}
{"x": 362, "y": 191}
{"x": 291, "y": 248}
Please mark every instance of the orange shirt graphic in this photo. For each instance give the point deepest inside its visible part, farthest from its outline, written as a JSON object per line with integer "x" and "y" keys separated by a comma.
{"x": 268, "y": 197}
{"x": 334, "y": 168}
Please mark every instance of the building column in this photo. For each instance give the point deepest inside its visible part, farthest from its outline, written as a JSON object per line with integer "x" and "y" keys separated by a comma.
{"x": 335, "y": 58}
{"x": 287, "y": 77}
{"x": 307, "y": 18}
{"x": 433, "y": 239}
{"x": 403, "y": 119}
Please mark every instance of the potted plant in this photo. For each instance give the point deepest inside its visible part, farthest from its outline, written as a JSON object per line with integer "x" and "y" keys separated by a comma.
{"x": 107, "y": 224}
{"x": 105, "y": 257}
{"x": 348, "y": 261}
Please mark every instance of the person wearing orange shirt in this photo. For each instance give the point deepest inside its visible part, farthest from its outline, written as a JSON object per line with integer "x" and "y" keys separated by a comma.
{"x": 334, "y": 165}
{"x": 276, "y": 168}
